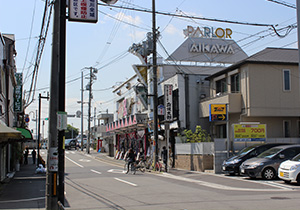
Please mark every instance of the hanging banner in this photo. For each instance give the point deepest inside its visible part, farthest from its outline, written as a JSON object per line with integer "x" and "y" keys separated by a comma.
{"x": 18, "y": 102}
{"x": 83, "y": 11}
{"x": 168, "y": 102}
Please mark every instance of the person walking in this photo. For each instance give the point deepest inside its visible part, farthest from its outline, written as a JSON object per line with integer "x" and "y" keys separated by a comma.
{"x": 26, "y": 156}
{"x": 33, "y": 154}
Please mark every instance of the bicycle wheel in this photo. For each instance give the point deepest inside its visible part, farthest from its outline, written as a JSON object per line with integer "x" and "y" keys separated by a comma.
{"x": 132, "y": 168}
{"x": 142, "y": 166}
{"x": 126, "y": 166}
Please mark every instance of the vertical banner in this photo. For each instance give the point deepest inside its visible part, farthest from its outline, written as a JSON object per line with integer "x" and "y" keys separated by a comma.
{"x": 83, "y": 11}
{"x": 18, "y": 105}
{"x": 168, "y": 102}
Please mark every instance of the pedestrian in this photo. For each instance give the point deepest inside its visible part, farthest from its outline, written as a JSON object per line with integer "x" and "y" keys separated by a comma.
{"x": 26, "y": 156}
{"x": 131, "y": 159}
{"x": 164, "y": 156}
{"x": 33, "y": 154}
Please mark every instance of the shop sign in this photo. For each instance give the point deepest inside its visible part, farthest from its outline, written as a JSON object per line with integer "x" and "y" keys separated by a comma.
{"x": 252, "y": 132}
{"x": 168, "y": 102}
{"x": 217, "y": 112}
{"x": 83, "y": 11}
{"x": 207, "y": 32}
{"x": 18, "y": 105}
{"x": 211, "y": 48}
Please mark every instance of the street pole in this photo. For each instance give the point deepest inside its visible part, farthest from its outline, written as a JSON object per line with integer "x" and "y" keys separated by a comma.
{"x": 81, "y": 111}
{"x": 89, "y": 113}
{"x": 55, "y": 167}
{"x": 61, "y": 99}
{"x": 39, "y": 133}
{"x": 154, "y": 68}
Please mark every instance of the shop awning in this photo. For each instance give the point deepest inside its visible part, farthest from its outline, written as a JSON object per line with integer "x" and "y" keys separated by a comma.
{"x": 25, "y": 133}
{"x": 8, "y": 133}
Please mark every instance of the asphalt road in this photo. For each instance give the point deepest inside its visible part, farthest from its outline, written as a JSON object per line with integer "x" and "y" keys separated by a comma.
{"x": 91, "y": 183}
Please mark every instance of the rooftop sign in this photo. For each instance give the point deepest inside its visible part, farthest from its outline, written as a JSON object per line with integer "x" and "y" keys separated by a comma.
{"x": 207, "y": 32}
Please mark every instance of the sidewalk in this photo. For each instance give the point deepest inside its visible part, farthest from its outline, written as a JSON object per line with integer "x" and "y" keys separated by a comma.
{"x": 26, "y": 190}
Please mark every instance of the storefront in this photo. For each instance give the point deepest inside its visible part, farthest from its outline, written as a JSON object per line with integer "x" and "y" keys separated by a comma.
{"x": 131, "y": 132}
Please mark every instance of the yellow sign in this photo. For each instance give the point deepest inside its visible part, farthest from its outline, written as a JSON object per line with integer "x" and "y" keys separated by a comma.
{"x": 243, "y": 132}
{"x": 218, "y": 108}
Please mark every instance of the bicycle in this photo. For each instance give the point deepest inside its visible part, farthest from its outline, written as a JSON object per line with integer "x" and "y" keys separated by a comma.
{"x": 132, "y": 167}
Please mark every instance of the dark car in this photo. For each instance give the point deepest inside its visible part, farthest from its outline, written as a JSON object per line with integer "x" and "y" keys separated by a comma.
{"x": 267, "y": 163}
{"x": 70, "y": 143}
{"x": 232, "y": 165}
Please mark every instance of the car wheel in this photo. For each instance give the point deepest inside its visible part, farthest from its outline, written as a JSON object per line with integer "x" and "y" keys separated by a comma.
{"x": 298, "y": 179}
{"x": 268, "y": 173}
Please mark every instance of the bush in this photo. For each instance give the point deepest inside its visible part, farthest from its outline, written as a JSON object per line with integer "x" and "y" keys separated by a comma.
{"x": 200, "y": 135}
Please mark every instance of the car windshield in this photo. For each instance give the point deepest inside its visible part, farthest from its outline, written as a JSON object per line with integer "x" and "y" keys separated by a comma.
{"x": 269, "y": 153}
{"x": 67, "y": 140}
{"x": 296, "y": 158}
{"x": 245, "y": 151}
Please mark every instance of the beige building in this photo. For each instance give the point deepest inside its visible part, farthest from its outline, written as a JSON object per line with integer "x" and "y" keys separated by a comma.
{"x": 263, "y": 88}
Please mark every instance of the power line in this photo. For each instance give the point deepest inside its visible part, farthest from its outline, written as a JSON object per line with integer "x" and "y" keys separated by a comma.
{"x": 284, "y": 3}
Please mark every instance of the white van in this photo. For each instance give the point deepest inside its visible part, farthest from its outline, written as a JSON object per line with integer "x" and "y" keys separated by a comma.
{"x": 289, "y": 170}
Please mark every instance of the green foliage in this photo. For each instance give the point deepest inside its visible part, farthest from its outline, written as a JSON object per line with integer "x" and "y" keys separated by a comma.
{"x": 200, "y": 135}
{"x": 68, "y": 132}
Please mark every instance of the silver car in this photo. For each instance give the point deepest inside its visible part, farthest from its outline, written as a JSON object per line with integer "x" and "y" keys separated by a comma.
{"x": 267, "y": 163}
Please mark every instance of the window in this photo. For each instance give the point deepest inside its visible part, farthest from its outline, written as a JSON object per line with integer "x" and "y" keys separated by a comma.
{"x": 221, "y": 86}
{"x": 286, "y": 80}
{"x": 235, "y": 83}
{"x": 287, "y": 128}
{"x": 221, "y": 131}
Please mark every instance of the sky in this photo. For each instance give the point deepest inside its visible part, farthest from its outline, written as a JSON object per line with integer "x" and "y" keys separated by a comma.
{"x": 104, "y": 45}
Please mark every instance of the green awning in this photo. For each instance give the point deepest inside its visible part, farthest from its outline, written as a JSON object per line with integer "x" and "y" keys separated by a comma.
{"x": 26, "y": 133}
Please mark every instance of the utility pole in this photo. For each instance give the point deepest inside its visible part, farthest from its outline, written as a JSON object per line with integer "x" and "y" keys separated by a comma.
{"x": 81, "y": 111}
{"x": 154, "y": 68}
{"x": 89, "y": 113}
{"x": 55, "y": 157}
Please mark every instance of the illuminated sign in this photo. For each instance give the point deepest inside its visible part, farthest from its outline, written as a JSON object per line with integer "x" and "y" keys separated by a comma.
{"x": 254, "y": 132}
{"x": 207, "y": 32}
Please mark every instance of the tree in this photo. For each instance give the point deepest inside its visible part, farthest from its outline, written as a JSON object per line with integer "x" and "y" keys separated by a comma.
{"x": 200, "y": 135}
{"x": 70, "y": 129}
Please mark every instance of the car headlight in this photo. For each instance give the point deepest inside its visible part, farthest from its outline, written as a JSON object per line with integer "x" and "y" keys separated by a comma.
{"x": 254, "y": 165}
{"x": 294, "y": 167}
{"x": 234, "y": 161}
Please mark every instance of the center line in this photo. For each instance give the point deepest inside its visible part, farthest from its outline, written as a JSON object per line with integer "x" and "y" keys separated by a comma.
{"x": 97, "y": 172}
{"x": 121, "y": 180}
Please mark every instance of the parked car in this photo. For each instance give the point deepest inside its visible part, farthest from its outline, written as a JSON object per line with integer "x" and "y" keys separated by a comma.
{"x": 84, "y": 143}
{"x": 232, "y": 165}
{"x": 70, "y": 143}
{"x": 267, "y": 163}
{"x": 289, "y": 170}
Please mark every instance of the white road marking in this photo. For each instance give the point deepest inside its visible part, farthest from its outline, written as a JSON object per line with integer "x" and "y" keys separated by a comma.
{"x": 84, "y": 160}
{"x": 97, "y": 172}
{"x": 116, "y": 171}
{"x": 121, "y": 180}
{"x": 221, "y": 187}
{"x": 74, "y": 162}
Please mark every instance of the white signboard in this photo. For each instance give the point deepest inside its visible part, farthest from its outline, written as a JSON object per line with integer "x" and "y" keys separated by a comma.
{"x": 83, "y": 10}
{"x": 53, "y": 161}
{"x": 62, "y": 118}
{"x": 168, "y": 102}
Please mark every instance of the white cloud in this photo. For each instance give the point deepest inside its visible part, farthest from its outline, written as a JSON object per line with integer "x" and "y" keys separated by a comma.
{"x": 138, "y": 36}
{"x": 171, "y": 29}
{"x": 128, "y": 19}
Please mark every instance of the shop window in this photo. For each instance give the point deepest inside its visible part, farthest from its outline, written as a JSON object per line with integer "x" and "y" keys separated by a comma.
{"x": 287, "y": 128}
{"x": 286, "y": 80}
{"x": 235, "y": 83}
{"x": 221, "y": 86}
